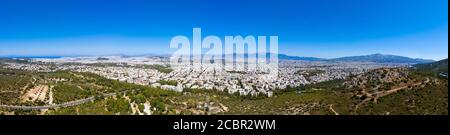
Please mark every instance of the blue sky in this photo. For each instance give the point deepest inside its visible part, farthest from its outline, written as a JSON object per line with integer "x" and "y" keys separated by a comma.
{"x": 318, "y": 28}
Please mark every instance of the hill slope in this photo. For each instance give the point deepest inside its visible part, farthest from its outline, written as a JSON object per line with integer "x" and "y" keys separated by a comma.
{"x": 439, "y": 66}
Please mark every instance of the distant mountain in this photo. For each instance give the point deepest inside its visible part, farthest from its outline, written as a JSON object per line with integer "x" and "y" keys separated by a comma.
{"x": 102, "y": 58}
{"x": 17, "y": 60}
{"x": 287, "y": 57}
{"x": 283, "y": 57}
{"x": 438, "y": 66}
{"x": 377, "y": 58}
{"x": 382, "y": 58}
{"x": 30, "y": 57}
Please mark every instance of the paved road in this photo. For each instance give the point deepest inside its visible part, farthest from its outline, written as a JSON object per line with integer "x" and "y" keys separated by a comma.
{"x": 66, "y": 104}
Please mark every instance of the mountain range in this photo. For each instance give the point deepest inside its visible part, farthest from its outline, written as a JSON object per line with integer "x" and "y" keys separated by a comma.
{"x": 287, "y": 57}
{"x": 377, "y": 58}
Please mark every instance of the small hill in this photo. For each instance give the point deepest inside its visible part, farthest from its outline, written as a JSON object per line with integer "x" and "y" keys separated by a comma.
{"x": 438, "y": 66}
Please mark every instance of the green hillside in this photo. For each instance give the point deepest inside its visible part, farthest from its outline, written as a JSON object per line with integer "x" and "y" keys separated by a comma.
{"x": 439, "y": 66}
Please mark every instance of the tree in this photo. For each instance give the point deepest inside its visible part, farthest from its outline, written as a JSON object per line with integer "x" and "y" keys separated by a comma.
{"x": 120, "y": 105}
{"x": 139, "y": 98}
{"x": 158, "y": 104}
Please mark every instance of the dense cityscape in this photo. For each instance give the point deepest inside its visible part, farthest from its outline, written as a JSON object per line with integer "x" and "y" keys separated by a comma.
{"x": 291, "y": 73}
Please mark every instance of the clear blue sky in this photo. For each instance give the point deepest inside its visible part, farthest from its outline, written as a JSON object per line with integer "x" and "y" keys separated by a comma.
{"x": 319, "y": 28}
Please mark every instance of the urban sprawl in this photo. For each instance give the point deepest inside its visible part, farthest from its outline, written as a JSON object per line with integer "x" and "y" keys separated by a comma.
{"x": 291, "y": 73}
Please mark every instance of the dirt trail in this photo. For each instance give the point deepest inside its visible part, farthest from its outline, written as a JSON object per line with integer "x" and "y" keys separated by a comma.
{"x": 36, "y": 93}
{"x": 380, "y": 94}
{"x": 50, "y": 96}
{"x": 332, "y": 109}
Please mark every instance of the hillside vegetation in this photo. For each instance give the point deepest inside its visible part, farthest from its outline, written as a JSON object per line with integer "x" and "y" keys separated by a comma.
{"x": 385, "y": 91}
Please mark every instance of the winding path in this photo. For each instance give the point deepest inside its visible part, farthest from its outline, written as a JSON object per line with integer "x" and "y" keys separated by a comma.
{"x": 332, "y": 110}
{"x": 377, "y": 95}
